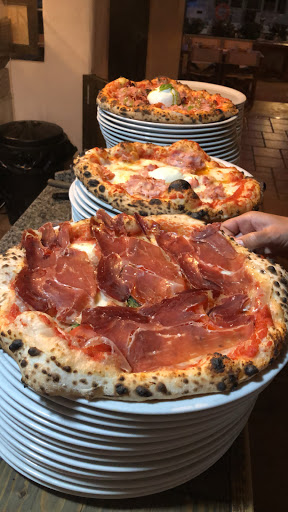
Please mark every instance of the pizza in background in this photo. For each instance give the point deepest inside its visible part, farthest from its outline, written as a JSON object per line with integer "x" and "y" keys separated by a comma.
{"x": 164, "y": 100}
{"x": 181, "y": 178}
{"x": 139, "y": 308}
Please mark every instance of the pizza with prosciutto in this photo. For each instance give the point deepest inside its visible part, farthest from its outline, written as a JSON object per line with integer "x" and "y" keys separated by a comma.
{"x": 139, "y": 308}
{"x": 181, "y": 178}
{"x": 164, "y": 100}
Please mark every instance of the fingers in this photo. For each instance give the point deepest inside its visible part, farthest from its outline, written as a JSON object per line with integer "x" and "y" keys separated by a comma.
{"x": 255, "y": 240}
{"x": 248, "y": 222}
{"x": 259, "y": 231}
{"x": 242, "y": 224}
{"x": 231, "y": 226}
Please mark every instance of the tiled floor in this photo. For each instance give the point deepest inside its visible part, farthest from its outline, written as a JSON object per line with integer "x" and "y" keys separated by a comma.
{"x": 265, "y": 155}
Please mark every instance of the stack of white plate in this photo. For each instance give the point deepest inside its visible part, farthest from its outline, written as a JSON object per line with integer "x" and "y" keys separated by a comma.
{"x": 84, "y": 204}
{"x": 237, "y": 97}
{"x": 115, "y": 449}
{"x": 221, "y": 139}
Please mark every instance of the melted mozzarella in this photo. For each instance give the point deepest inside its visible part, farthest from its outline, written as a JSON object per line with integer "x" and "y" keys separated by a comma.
{"x": 167, "y": 173}
{"x": 102, "y": 299}
{"x": 123, "y": 172}
{"x": 168, "y": 97}
{"x": 90, "y": 249}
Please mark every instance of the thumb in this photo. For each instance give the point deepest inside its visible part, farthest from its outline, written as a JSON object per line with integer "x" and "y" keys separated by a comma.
{"x": 254, "y": 240}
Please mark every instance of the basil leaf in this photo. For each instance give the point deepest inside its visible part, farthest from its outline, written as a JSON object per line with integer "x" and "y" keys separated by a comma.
{"x": 74, "y": 325}
{"x": 132, "y": 303}
{"x": 165, "y": 87}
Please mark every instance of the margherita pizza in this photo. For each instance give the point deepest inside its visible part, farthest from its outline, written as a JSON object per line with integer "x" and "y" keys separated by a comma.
{"x": 164, "y": 100}
{"x": 139, "y": 308}
{"x": 181, "y": 178}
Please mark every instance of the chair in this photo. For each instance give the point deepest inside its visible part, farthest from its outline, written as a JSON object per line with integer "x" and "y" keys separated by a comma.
{"x": 240, "y": 70}
{"x": 201, "y": 59}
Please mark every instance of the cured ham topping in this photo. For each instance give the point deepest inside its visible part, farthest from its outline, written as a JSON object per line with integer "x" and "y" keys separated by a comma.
{"x": 184, "y": 296}
{"x": 57, "y": 280}
{"x": 184, "y": 307}
{"x": 230, "y": 312}
{"x": 142, "y": 271}
{"x": 175, "y": 346}
{"x": 171, "y": 332}
{"x": 193, "y": 159}
{"x": 150, "y": 187}
{"x": 98, "y": 347}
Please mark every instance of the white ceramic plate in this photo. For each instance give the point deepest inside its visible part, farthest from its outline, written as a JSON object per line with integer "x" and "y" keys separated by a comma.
{"x": 138, "y": 468}
{"x": 120, "y": 130}
{"x": 70, "y": 419}
{"x": 90, "y": 199}
{"x": 173, "y": 126}
{"x": 122, "y": 124}
{"x": 138, "y": 471}
{"x": 76, "y": 217}
{"x": 206, "y": 145}
{"x": 237, "y": 97}
{"x": 82, "y": 487}
{"x": 43, "y": 445}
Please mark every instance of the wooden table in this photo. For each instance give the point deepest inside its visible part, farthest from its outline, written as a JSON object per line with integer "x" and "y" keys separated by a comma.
{"x": 225, "y": 487}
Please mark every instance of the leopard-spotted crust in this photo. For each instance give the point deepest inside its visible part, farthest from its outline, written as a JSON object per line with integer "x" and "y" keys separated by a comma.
{"x": 172, "y": 115}
{"x": 88, "y": 173}
{"x": 50, "y": 368}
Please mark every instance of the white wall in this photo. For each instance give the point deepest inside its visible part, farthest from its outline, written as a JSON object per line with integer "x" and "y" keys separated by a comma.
{"x": 52, "y": 90}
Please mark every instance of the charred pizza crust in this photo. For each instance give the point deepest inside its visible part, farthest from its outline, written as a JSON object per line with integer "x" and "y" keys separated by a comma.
{"x": 179, "y": 197}
{"x": 50, "y": 368}
{"x": 189, "y": 110}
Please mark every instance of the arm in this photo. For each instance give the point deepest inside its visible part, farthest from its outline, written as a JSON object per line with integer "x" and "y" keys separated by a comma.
{"x": 259, "y": 231}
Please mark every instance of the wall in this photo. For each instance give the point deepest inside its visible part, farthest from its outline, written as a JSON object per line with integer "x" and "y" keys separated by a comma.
{"x": 52, "y": 90}
{"x": 2, "y": 9}
{"x": 100, "y": 46}
{"x": 165, "y": 37}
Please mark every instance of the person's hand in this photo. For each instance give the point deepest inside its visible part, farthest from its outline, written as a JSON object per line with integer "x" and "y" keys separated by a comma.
{"x": 259, "y": 231}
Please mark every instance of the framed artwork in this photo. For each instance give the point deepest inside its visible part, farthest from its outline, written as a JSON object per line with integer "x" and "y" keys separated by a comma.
{"x": 27, "y": 29}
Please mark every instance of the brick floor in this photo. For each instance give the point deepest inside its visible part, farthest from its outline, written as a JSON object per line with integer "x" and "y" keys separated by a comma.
{"x": 265, "y": 154}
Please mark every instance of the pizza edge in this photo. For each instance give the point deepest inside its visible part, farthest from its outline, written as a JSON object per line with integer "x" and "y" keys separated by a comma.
{"x": 126, "y": 203}
{"x": 159, "y": 115}
{"x": 60, "y": 371}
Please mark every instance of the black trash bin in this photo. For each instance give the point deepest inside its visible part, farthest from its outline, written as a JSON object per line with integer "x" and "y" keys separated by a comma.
{"x": 30, "y": 153}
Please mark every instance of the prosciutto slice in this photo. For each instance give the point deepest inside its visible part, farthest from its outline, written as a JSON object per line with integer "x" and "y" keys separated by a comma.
{"x": 57, "y": 280}
{"x": 138, "y": 268}
{"x": 213, "y": 248}
{"x": 151, "y": 349}
{"x": 231, "y": 311}
{"x": 207, "y": 259}
{"x": 174, "y": 331}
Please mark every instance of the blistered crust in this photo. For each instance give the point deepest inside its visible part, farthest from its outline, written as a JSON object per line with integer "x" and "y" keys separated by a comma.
{"x": 120, "y": 200}
{"x": 156, "y": 114}
{"x": 49, "y": 367}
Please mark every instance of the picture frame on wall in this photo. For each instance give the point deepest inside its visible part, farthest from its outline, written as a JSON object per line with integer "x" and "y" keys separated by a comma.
{"x": 27, "y": 29}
